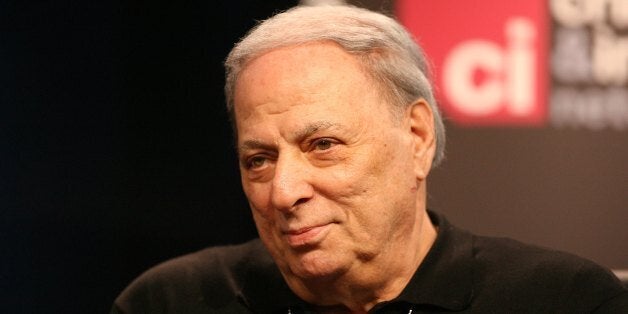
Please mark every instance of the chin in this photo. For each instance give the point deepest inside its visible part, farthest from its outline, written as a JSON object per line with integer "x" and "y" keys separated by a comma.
{"x": 317, "y": 265}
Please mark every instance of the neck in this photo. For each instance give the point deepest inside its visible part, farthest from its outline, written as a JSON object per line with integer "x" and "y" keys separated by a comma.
{"x": 381, "y": 279}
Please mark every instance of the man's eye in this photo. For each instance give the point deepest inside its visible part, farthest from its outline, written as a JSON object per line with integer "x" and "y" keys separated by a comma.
{"x": 323, "y": 144}
{"x": 255, "y": 162}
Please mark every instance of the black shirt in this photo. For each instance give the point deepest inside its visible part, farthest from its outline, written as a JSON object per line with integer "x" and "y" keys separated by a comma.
{"x": 462, "y": 273}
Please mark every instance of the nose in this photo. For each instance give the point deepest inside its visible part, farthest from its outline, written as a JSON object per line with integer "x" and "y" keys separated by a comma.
{"x": 291, "y": 183}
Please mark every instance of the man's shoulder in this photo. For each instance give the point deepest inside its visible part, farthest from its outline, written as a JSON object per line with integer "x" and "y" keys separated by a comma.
{"x": 217, "y": 263}
{"x": 510, "y": 267}
{"x": 512, "y": 254}
{"x": 209, "y": 278}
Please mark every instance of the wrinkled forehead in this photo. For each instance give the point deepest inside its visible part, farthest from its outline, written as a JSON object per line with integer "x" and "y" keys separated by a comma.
{"x": 296, "y": 82}
{"x": 296, "y": 72}
{"x": 299, "y": 70}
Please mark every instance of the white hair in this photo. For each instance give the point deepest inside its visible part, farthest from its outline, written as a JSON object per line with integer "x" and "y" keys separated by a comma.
{"x": 382, "y": 46}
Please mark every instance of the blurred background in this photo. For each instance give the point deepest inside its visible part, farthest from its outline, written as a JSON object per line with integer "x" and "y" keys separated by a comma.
{"x": 124, "y": 155}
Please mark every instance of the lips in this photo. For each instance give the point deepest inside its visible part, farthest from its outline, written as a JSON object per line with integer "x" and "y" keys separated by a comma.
{"x": 306, "y": 236}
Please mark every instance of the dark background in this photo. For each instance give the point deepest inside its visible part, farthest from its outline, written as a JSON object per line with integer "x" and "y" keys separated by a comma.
{"x": 124, "y": 158}
{"x": 124, "y": 154}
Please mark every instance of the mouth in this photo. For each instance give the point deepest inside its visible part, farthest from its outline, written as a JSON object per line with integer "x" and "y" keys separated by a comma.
{"x": 307, "y": 236}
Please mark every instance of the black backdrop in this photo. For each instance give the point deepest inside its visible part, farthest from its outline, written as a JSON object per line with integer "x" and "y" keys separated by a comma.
{"x": 123, "y": 148}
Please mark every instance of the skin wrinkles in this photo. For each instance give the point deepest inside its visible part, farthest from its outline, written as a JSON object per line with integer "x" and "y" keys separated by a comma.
{"x": 307, "y": 136}
{"x": 297, "y": 136}
{"x": 344, "y": 221}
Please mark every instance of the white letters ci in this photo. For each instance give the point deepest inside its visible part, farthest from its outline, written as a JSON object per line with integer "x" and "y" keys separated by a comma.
{"x": 511, "y": 72}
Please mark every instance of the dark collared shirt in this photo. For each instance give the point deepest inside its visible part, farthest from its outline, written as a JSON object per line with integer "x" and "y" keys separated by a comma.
{"x": 462, "y": 273}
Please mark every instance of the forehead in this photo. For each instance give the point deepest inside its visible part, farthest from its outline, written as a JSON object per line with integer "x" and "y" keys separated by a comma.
{"x": 315, "y": 77}
{"x": 299, "y": 68}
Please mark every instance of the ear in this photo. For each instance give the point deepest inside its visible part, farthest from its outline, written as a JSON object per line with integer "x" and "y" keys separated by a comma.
{"x": 421, "y": 120}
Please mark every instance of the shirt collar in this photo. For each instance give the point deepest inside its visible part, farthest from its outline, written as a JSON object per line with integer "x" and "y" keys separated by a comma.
{"x": 444, "y": 278}
{"x": 266, "y": 291}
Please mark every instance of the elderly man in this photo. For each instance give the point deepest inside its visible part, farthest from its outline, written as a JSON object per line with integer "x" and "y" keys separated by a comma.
{"x": 337, "y": 130}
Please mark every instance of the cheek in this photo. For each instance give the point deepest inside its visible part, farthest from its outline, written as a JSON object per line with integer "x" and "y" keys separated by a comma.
{"x": 261, "y": 222}
{"x": 259, "y": 199}
{"x": 265, "y": 225}
{"x": 379, "y": 173}
{"x": 252, "y": 189}
{"x": 353, "y": 186}
{"x": 344, "y": 182}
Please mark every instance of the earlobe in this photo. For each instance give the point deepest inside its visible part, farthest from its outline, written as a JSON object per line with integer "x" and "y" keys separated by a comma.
{"x": 422, "y": 130}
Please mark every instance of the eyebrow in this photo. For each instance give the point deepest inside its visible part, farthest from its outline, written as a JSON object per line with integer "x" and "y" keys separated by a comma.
{"x": 298, "y": 136}
{"x": 312, "y": 128}
{"x": 254, "y": 144}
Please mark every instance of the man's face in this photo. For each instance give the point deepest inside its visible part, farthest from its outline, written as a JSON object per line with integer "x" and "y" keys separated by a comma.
{"x": 329, "y": 174}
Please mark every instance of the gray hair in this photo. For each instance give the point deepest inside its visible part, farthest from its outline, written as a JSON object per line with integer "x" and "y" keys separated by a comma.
{"x": 383, "y": 47}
